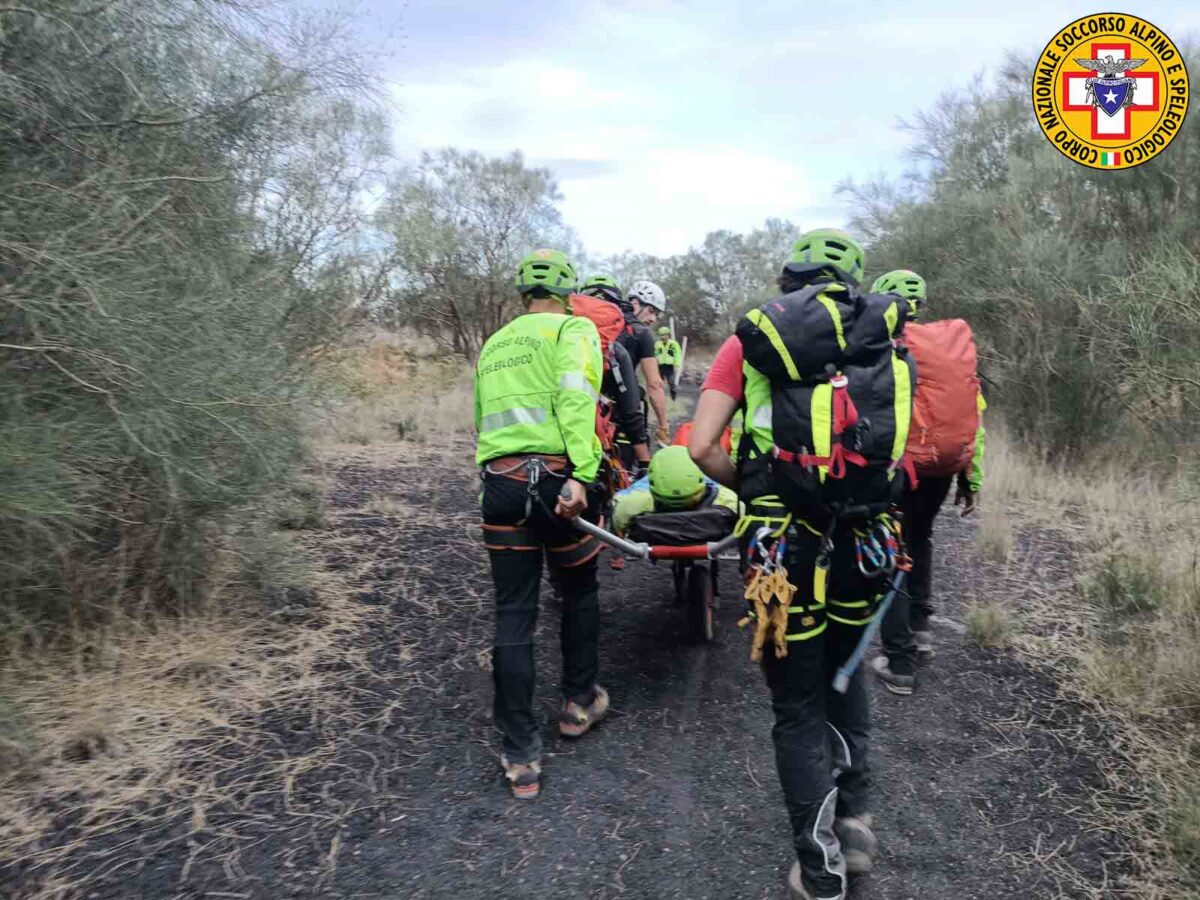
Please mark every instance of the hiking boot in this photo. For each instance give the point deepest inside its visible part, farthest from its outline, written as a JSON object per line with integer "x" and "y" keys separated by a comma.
{"x": 895, "y": 682}
{"x": 575, "y": 720}
{"x": 525, "y": 779}
{"x": 858, "y": 842}
{"x": 797, "y": 890}
{"x": 924, "y": 642}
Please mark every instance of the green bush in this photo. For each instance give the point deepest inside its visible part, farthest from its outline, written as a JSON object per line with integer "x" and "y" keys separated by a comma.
{"x": 168, "y": 280}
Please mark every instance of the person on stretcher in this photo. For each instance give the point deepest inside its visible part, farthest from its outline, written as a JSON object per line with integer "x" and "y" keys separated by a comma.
{"x": 674, "y": 484}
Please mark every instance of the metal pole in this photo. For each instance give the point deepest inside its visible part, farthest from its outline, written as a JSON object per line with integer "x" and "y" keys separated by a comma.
{"x": 641, "y": 551}
{"x": 682, "y": 358}
{"x": 841, "y": 681}
{"x": 716, "y": 548}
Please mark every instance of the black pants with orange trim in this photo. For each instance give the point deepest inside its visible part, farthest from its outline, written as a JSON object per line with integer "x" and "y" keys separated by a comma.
{"x": 822, "y": 737}
{"x": 517, "y": 543}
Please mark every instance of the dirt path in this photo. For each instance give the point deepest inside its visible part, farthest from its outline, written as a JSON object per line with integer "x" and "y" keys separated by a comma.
{"x": 977, "y": 776}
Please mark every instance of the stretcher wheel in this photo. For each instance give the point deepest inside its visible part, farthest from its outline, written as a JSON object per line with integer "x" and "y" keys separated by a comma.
{"x": 700, "y": 602}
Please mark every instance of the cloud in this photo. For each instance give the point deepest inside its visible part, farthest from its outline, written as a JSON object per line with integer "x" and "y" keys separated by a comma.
{"x": 667, "y": 199}
{"x": 663, "y": 120}
{"x": 577, "y": 169}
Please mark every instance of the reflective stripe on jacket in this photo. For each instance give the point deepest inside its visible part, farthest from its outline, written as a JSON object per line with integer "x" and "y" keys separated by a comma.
{"x": 536, "y": 385}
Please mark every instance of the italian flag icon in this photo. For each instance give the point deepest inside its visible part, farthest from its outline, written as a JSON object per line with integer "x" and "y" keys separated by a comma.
{"x": 1110, "y": 159}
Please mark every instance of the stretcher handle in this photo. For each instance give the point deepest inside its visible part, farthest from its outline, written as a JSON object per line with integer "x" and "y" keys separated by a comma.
{"x": 693, "y": 551}
{"x": 629, "y": 548}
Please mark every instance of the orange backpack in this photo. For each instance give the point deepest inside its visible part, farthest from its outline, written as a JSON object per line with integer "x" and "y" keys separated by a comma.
{"x": 684, "y": 432}
{"x": 607, "y": 318}
{"x": 945, "y": 418}
{"x": 609, "y": 321}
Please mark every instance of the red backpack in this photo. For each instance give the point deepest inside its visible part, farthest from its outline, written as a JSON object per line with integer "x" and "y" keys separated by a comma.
{"x": 941, "y": 438}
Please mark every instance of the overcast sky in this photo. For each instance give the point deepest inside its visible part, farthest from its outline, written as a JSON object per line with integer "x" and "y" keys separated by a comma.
{"x": 663, "y": 121}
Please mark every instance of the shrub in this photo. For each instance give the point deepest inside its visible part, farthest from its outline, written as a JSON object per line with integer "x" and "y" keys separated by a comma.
{"x": 989, "y": 625}
{"x": 167, "y": 282}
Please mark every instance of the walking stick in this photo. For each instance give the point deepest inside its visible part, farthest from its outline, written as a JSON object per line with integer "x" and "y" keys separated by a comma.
{"x": 841, "y": 681}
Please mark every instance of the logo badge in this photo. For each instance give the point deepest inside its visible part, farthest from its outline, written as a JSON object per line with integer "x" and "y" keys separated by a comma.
{"x": 1110, "y": 91}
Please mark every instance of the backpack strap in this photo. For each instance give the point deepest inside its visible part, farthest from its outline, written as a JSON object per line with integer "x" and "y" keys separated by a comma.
{"x": 845, "y": 417}
{"x": 611, "y": 362}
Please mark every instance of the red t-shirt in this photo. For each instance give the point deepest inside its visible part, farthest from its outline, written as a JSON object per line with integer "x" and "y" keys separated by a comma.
{"x": 725, "y": 374}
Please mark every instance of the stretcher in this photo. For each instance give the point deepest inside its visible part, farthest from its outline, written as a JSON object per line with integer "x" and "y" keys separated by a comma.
{"x": 694, "y": 565}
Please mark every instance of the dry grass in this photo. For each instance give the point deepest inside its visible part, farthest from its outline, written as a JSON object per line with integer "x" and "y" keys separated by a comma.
{"x": 390, "y": 395}
{"x": 1122, "y": 634}
{"x": 989, "y": 624}
{"x": 149, "y": 720}
{"x": 994, "y": 537}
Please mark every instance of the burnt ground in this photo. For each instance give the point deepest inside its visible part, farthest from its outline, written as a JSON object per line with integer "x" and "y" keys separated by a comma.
{"x": 980, "y": 778}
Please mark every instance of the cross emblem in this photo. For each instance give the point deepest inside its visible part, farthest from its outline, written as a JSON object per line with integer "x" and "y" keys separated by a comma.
{"x": 1147, "y": 95}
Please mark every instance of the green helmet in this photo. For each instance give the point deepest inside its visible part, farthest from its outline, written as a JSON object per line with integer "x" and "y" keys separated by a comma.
{"x": 549, "y": 269}
{"x": 603, "y": 286}
{"x": 829, "y": 247}
{"x": 675, "y": 481}
{"x": 907, "y": 284}
{"x": 664, "y": 331}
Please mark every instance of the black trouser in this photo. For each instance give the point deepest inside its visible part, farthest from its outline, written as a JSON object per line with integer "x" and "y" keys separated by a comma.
{"x": 627, "y": 454}
{"x": 518, "y": 532}
{"x": 818, "y": 730}
{"x": 668, "y": 374}
{"x": 911, "y": 613}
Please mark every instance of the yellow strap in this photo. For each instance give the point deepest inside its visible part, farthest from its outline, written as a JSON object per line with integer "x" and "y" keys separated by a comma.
{"x": 865, "y": 621}
{"x": 805, "y": 635}
{"x": 820, "y": 577}
{"x": 744, "y": 523}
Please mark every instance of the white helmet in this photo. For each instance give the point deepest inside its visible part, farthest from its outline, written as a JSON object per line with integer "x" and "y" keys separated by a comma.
{"x": 648, "y": 294}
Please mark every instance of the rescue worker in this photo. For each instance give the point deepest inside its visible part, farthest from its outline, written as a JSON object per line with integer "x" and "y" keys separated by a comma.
{"x": 536, "y": 386}
{"x": 621, "y": 386}
{"x": 668, "y": 353}
{"x": 821, "y": 737}
{"x": 673, "y": 484}
{"x": 906, "y": 634}
{"x": 638, "y": 339}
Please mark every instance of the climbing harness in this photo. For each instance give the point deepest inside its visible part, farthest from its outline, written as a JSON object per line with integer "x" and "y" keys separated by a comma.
{"x": 770, "y": 592}
{"x": 531, "y": 470}
{"x": 841, "y": 681}
{"x": 895, "y": 562}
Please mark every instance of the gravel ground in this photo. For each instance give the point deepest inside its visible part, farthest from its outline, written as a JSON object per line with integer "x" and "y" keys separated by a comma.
{"x": 979, "y": 777}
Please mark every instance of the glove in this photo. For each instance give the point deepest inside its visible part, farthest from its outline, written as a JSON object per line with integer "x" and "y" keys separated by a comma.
{"x": 662, "y": 435}
{"x": 965, "y": 497}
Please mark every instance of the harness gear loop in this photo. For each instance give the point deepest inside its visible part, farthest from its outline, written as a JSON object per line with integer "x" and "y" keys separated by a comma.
{"x": 535, "y": 468}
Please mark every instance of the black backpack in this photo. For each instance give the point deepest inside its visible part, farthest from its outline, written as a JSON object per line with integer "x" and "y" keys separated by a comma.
{"x": 841, "y": 398}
